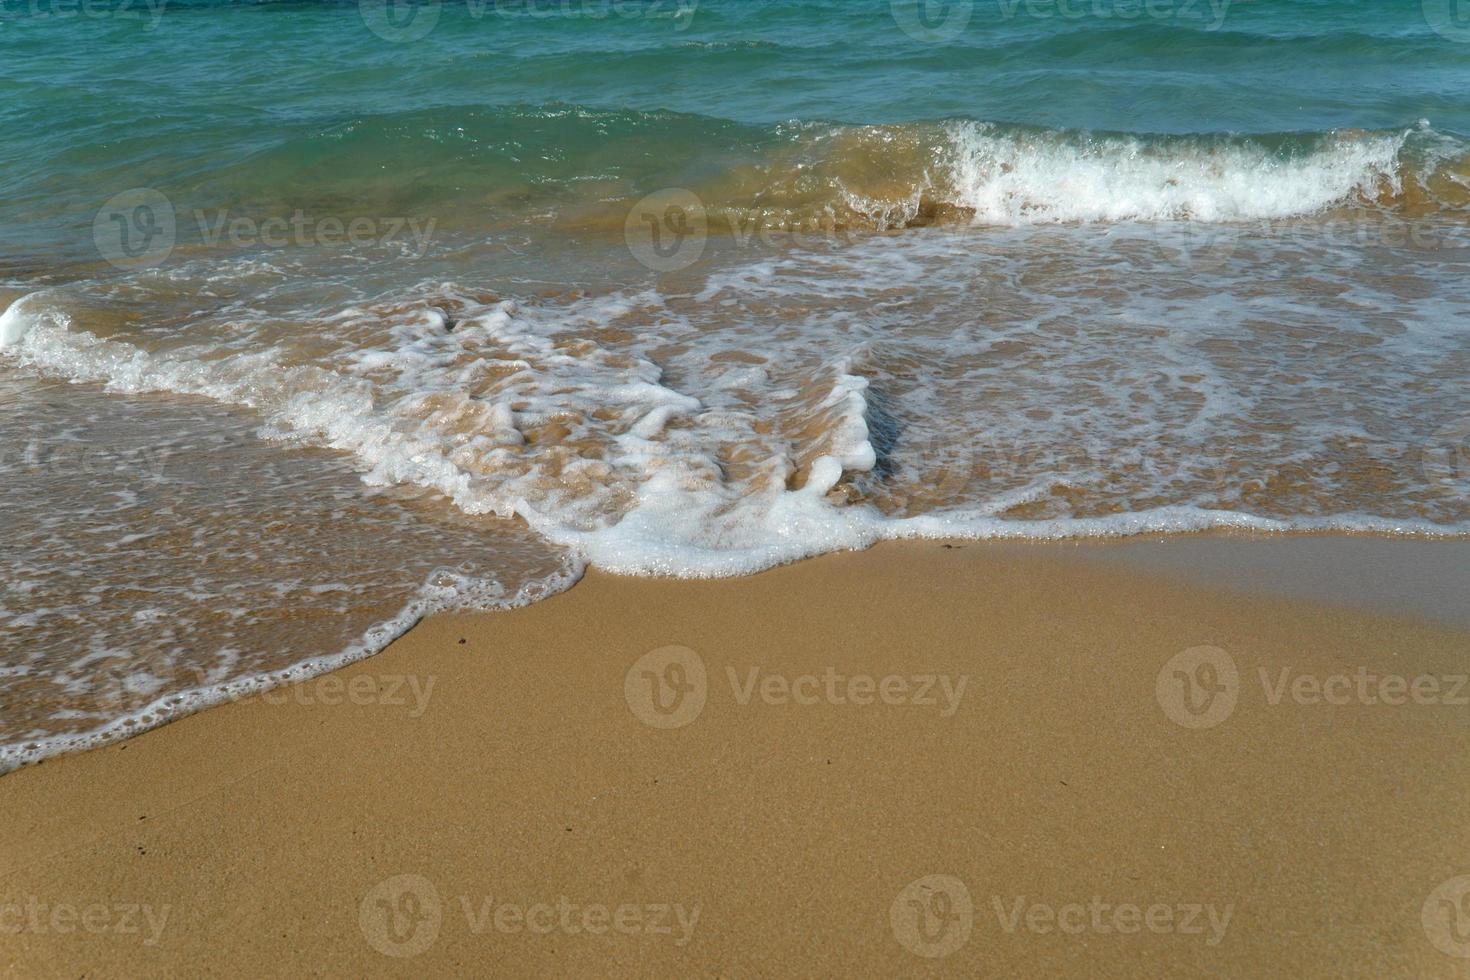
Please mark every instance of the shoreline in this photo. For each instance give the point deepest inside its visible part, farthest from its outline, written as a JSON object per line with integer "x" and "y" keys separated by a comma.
{"x": 1414, "y": 576}
{"x": 990, "y": 731}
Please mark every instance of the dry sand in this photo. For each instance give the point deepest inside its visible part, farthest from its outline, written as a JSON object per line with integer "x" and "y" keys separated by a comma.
{"x": 487, "y": 796}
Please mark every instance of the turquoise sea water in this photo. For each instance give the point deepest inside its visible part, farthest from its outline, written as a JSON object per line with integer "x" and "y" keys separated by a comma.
{"x": 481, "y": 292}
{"x": 262, "y": 102}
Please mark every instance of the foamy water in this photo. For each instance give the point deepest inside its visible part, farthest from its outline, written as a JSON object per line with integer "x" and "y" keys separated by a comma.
{"x": 1022, "y": 383}
{"x": 160, "y": 557}
{"x": 666, "y": 343}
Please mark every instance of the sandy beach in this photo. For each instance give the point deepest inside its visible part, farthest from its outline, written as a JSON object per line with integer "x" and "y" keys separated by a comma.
{"x": 924, "y": 759}
{"x": 664, "y": 488}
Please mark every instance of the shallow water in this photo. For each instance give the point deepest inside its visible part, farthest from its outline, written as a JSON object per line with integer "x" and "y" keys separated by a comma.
{"x": 362, "y": 310}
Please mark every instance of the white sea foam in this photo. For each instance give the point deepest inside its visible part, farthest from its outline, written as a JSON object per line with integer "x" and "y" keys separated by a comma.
{"x": 177, "y": 703}
{"x": 635, "y": 478}
{"x": 1010, "y": 178}
{"x": 1029, "y": 382}
{"x": 14, "y": 323}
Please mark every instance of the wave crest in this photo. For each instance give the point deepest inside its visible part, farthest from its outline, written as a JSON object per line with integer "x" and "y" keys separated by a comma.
{"x": 882, "y": 178}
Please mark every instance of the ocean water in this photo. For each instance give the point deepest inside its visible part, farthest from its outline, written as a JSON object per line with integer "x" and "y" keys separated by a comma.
{"x": 321, "y": 316}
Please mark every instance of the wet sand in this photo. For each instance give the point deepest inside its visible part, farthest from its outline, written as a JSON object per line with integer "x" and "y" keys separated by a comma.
{"x": 920, "y": 759}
